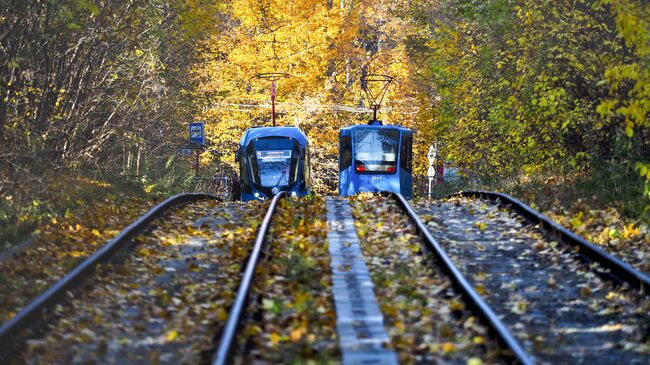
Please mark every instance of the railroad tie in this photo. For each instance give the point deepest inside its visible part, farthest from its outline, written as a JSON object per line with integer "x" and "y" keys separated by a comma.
{"x": 359, "y": 321}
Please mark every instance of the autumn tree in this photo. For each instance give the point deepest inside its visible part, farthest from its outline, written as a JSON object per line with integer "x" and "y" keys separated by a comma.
{"x": 93, "y": 85}
{"x": 325, "y": 48}
{"x": 516, "y": 88}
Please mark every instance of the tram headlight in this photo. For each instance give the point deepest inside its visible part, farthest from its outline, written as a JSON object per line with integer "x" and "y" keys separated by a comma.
{"x": 293, "y": 194}
{"x": 257, "y": 195}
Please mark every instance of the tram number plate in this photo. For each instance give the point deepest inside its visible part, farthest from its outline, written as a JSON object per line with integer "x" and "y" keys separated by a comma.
{"x": 375, "y": 181}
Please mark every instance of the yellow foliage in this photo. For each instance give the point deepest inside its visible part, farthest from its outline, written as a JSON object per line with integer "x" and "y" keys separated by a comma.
{"x": 324, "y": 50}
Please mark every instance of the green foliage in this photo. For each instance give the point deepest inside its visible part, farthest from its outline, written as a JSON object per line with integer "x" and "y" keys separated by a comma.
{"x": 527, "y": 87}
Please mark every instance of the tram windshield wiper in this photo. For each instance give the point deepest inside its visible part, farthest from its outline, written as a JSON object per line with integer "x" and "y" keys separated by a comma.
{"x": 275, "y": 189}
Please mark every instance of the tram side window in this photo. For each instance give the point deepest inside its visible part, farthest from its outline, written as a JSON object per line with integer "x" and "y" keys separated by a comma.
{"x": 345, "y": 152}
{"x": 295, "y": 162}
{"x": 307, "y": 176}
{"x": 375, "y": 151}
{"x": 243, "y": 175}
{"x": 253, "y": 166}
{"x": 406, "y": 153}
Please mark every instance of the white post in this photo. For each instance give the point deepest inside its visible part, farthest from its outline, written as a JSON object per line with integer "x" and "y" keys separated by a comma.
{"x": 431, "y": 172}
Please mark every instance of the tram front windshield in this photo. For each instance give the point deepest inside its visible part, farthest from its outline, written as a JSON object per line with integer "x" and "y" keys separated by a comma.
{"x": 376, "y": 150}
{"x": 274, "y": 162}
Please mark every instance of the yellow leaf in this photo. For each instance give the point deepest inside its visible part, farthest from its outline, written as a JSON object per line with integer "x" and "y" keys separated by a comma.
{"x": 253, "y": 330}
{"x": 448, "y": 348}
{"x": 222, "y": 315}
{"x": 275, "y": 338}
{"x": 144, "y": 252}
{"x": 480, "y": 289}
{"x": 474, "y": 361}
{"x": 520, "y": 307}
{"x": 482, "y": 226}
{"x": 629, "y": 231}
{"x": 96, "y": 233}
{"x": 171, "y": 335}
{"x": 76, "y": 253}
{"x": 301, "y": 299}
{"x": 455, "y": 305}
{"x": 297, "y": 333}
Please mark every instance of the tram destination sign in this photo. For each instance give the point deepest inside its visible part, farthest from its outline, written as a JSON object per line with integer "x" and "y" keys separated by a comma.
{"x": 274, "y": 155}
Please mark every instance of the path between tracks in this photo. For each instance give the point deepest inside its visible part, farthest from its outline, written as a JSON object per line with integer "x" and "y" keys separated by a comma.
{"x": 359, "y": 323}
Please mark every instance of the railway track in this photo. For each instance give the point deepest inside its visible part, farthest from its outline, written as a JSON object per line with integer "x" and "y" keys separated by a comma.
{"x": 359, "y": 324}
{"x": 155, "y": 293}
{"x": 284, "y": 309}
{"x": 447, "y": 281}
{"x": 433, "y": 314}
{"x": 565, "y": 300}
{"x": 223, "y": 354}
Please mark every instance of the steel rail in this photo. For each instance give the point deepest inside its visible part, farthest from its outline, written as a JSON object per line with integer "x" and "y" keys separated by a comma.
{"x": 223, "y": 352}
{"x": 621, "y": 269}
{"x": 519, "y": 355}
{"x": 12, "y": 330}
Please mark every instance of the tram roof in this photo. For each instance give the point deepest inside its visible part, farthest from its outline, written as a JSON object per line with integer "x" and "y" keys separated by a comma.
{"x": 265, "y": 132}
{"x": 348, "y": 129}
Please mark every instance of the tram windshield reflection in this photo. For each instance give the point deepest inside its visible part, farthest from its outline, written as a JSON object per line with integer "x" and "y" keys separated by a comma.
{"x": 274, "y": 167}
{"x": 376, "y": 151}
{"x": 274, "y": 162}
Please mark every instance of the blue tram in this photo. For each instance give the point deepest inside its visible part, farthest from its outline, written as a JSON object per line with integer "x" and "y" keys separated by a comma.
{"x": 273, "y": 159}
{"x": 374, "y": 158}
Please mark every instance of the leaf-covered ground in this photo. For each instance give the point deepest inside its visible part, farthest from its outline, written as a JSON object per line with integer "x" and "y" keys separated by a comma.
{"x": 425, "y": 317}
{"x": 293, "y": 320}
{"x": 625, "y": 238}
{"x": 61, "y": 244}
{"x": 603, "y": 209}
{"x": 164, "y": 303}
{"x": 559, "y": 307}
